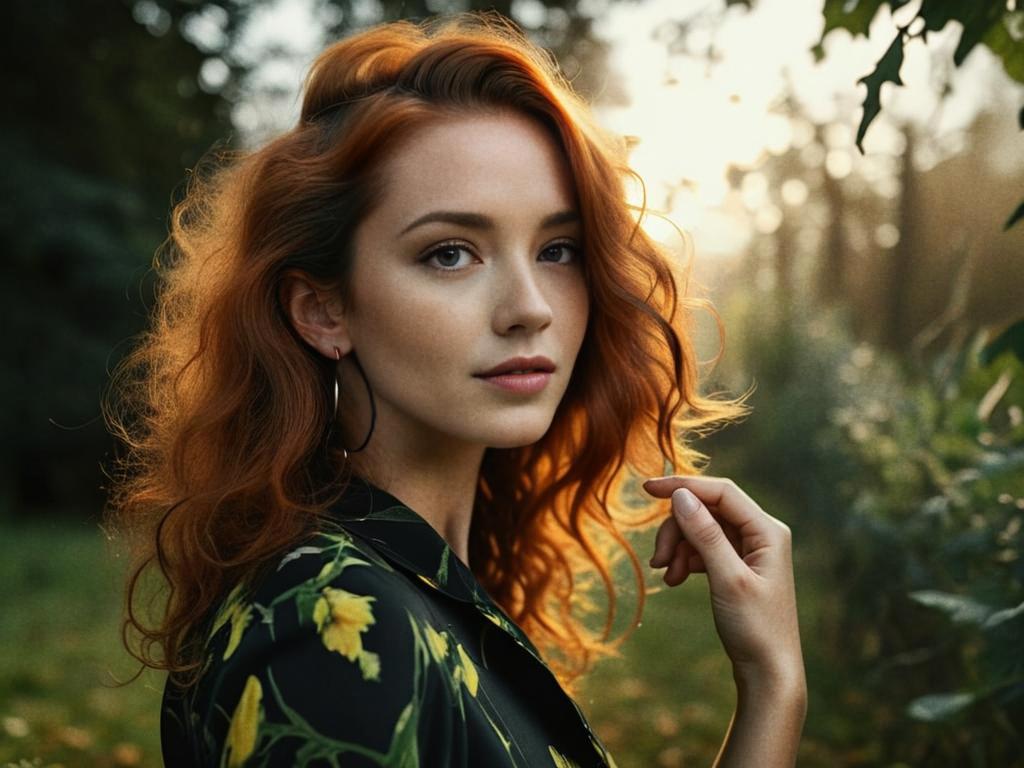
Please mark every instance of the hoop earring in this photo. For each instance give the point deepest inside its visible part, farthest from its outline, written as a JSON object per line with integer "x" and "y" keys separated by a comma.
{"x": 369, "y": 391}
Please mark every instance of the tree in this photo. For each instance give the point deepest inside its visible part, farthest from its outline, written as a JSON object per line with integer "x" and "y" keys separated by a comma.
{"x": 984, "y": 22}
{"x": 107, "y": 114}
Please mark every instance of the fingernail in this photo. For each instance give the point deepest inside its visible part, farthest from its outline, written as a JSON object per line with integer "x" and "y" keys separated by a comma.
{"x": 684, "y": 500}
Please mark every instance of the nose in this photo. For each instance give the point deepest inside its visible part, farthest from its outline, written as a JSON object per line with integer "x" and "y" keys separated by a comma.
{"x": 522, "y": 298}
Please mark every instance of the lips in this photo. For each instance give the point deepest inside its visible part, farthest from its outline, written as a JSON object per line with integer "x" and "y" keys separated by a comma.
{"x": 534, "y": 364}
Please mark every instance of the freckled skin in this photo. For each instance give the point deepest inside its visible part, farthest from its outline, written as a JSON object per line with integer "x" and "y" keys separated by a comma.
{"x": 421, "y": 333}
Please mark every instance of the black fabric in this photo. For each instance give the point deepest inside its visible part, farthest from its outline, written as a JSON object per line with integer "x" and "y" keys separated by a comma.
{"x": 373, "y": 645}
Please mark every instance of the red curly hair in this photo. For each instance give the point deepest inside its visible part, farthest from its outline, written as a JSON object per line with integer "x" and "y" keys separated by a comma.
{"x": 224, "y": 413}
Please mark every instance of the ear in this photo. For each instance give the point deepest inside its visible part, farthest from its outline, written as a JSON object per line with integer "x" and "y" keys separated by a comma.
{"x": 315, "y": 313}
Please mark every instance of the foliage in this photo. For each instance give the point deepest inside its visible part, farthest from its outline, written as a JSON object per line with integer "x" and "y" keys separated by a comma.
{"x": 927, "y": 563}
{"x": 903, "y": 482}
{"x": 1012, "y": 340}
{"x": 987, "y": 22}
{"x": 108, "y": 115}
{"x": 937, "y": 500}
{"x": 930, "y": 568}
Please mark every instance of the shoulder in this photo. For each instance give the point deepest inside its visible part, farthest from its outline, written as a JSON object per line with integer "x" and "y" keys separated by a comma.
{"x": 288, "y": 596}
{"x": 328, "y": 646}
{"x": 333, "y": 590}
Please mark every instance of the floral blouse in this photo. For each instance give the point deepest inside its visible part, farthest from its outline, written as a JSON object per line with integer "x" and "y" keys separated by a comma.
{"x": 372, "y": 646}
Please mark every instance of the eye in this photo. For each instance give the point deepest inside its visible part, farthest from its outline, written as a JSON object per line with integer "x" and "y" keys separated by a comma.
{"x": 569, "y": 247}
{"x": 447, "y": 255}
{"x": 445, "y": 251}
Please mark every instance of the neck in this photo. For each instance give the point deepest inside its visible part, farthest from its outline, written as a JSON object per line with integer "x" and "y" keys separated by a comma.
{"x": 439, "y": 485}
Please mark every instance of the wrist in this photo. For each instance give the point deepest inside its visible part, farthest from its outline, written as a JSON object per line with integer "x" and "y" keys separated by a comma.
{"x": 778, "y": 682}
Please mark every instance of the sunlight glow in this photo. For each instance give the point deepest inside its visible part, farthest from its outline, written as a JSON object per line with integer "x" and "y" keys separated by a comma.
{"x": 696, "y": 118}
{"x": 738, "y": 87}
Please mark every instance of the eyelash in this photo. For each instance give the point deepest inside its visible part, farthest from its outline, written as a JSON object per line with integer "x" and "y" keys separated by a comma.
{"x": 455, "y": 244}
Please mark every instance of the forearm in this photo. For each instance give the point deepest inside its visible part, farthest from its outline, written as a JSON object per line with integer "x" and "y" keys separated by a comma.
{"x": 766, "y": 726}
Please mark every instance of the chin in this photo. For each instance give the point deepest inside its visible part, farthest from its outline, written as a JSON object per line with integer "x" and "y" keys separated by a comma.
{"x": 524, "y": 432}
{"x": 500, "y": 444}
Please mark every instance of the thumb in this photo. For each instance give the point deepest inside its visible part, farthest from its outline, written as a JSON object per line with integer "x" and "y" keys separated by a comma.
{"x": 705, "y": 535}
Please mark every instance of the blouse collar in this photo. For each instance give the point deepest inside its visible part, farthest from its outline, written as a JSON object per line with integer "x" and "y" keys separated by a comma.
{"x": 405, "y": 538}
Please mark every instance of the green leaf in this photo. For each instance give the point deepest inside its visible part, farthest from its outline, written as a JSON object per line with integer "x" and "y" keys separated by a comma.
{"x": 1000, "y": 617}
{"x": 936, "y": 13}
{"x": 886, "y": 70}
{"x": 1010, "y": 339}
{"x": 1016, "y": 216}
{"x": 960, "y": 608}
{"x": 1003, "y": 44}
{"x": 855, "y": 16}
{"x": 938, "y": 706}
{"x": 977, "y": 19}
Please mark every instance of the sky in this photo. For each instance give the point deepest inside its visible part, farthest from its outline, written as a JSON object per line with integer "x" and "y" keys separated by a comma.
{"x": 694, "y": 119}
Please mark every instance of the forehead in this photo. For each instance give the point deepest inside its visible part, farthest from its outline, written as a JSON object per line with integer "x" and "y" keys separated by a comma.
{"x": 477, "y": 162}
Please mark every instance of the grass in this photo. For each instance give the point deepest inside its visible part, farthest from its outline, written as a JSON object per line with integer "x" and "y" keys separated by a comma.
{"x": 666, "y": 703}
{"x": 61, "y": 654}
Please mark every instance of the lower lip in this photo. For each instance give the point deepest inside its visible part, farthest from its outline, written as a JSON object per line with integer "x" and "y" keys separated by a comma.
{"x": 525, "y": 383}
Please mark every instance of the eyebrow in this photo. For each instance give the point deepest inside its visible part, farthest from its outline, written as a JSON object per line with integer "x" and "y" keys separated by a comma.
{"x": 480, "y": 221}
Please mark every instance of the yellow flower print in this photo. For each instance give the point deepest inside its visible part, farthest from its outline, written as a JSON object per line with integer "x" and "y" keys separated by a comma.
{"x": 239, "y": 618}
{"x": 245, "y": 723}
{"x": 428, "y": 580}
{"x": 369, "y": 665}
{"x": 469, "y": 674}
{"x": 437, "y": 643}
{"x": 560, "y": 760}
{"x": 227, "y": 608}
{"x": 341, "y": 617}
{"x": 599, "y": 748}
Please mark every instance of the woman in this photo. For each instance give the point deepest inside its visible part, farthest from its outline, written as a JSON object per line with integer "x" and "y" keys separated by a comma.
{"x": 400, "y": 357}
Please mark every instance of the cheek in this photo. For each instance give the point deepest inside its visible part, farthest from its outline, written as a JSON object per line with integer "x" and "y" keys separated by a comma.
{"x": 575, "y": 304}
{"x": 423, "y": 332}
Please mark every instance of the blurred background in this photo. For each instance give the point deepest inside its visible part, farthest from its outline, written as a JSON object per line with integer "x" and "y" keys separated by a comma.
{"x": 847, "y": 174}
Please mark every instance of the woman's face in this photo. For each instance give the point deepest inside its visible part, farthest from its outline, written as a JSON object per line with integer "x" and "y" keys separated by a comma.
{"x": 439, "y": 300}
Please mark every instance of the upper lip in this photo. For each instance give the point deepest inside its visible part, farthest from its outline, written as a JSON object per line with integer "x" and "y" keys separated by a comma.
{"x": 539, "y": 363}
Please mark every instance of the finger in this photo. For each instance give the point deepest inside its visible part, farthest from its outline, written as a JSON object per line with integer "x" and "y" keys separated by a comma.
{"x": 668, "y": 542}
{"x": 665, "y": 541}
{"x": 669, "y": 534}
{"x": 685, "y": 552}
{"x": 706, "y": 536}
{"x": 732, "y": 534}
{"x": 760, "y": 539}
{"x": 730, "y": 502}
{"x": 693, "y": 558}
{"x": 677, "y": 570}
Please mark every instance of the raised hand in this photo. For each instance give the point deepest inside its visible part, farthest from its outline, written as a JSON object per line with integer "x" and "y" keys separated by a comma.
{"x": 716, "y": 528}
